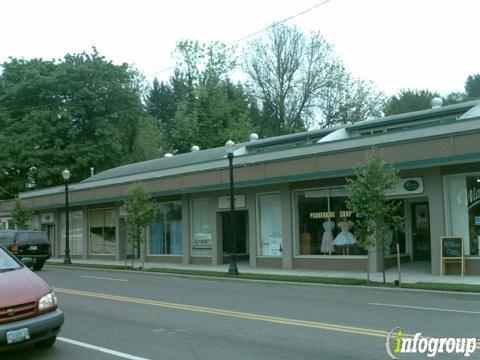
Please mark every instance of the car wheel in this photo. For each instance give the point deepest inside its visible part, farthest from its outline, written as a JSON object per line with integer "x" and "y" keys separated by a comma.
{"x": 46, "y": 343}
{"x": 38, "y": 265}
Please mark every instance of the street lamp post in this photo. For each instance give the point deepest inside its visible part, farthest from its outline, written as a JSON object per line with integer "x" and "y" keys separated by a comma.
{"x": 232, "y": 268}
{"x": 67, "y": 260}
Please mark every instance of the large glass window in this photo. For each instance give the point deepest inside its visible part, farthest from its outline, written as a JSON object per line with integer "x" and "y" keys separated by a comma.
{"x": 325, "y": 225}
{"x": 75, "y": 236}
{"x": 270, "y": 225}
{"x": 166, "y": 230}
{"x": 201, "y": 228}
{"x": 463, "y": 209}
{"x": 102, "y": 232}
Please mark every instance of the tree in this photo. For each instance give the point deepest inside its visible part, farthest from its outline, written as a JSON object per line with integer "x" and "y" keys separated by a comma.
{"x": 375, "y": 216}
{"x": 408, "y": 100}
{"x": 297, "y": 78}
{"x": 350, "y": 100}
{"x": 20, "y": 215}
{"x": 78, "y": 112}
{"x": 141, "y": 211}
{"x": 200, "y": 105}
{"x": 472, "y": 86}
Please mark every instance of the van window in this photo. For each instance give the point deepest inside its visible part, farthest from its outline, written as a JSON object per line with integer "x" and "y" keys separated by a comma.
{"x": 32, "y": 237}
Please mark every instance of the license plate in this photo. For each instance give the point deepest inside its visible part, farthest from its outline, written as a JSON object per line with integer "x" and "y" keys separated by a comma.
{"x": 33, "y": 247}
{"x": 17, "y": 335}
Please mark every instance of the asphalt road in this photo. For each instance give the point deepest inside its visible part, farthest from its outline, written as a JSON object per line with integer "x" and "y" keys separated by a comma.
{"x": 122, "y": 315}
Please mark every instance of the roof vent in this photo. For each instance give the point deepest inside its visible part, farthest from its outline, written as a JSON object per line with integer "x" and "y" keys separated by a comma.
{"x": 92, "y": 171}
{"x": 195, "y": 148}
{"x": 436, "y": 102}
{"x": 253, "y": 137}
{"x": 168, "y": 155}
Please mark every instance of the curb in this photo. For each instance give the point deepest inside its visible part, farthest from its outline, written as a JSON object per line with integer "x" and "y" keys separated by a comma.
{"x": 282, "y": 282}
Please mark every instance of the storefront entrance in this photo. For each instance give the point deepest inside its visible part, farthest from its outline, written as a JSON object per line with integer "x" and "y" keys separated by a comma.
{"x": 241, "y": 229}
{"x": 421, "y": 232}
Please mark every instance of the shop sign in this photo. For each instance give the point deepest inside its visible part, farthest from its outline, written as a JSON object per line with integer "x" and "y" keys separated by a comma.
{"x": 202, "y": 241}
{"x": 473, "y": 194}
{"x": 224, "y": 201}
{"x": 46, "y": 218}
{"x": 407, "y": 186}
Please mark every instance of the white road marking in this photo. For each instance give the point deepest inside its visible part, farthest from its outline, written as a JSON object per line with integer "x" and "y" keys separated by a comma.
{"x": 101, "y": 278}
{"x": 426, "y": 308}
{"x": 101, "y": 349}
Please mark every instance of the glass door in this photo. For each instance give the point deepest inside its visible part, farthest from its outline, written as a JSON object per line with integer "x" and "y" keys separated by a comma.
{"x": 421, "y": 232}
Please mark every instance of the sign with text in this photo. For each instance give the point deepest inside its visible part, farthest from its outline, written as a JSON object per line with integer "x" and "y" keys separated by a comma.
{"x": 451, "y": 248}
{"x": 202, "y": 241}
{"x": 224, "y": 201}
{"x": 405, "y": 186}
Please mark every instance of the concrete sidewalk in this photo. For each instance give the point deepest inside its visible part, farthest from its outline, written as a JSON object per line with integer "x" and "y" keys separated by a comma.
{"x": 413, "y": 272}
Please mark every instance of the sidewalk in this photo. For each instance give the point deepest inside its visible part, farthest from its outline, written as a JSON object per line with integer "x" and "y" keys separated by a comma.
{"x": 413, "y": 272}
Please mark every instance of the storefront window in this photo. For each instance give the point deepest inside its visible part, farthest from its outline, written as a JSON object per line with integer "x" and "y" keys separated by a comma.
{"x": 75, "y": 230}
{"x": 166, "y": 230}
{"x": 270, "y": 224}
{"x": 325, "y": 225}
{"x": 473, "y": 204}
{"x": 201, "y": 228}
{"x": 102, "y": 232}
{"x": 463, "y": 208}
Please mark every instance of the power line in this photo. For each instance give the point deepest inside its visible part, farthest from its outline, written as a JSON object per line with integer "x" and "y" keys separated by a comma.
{"x": 280, "y": 22}
{"x": 256, "y": 32}
{"x": 303, "y": 12}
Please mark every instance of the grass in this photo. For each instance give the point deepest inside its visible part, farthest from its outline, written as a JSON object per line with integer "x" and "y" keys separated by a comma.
{"x": 248, "y": 276}
{"x": 444, "y": 287}
{"x": 283, "y": 278}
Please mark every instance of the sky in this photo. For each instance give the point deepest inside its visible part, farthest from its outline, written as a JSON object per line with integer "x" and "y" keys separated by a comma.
{"x": 397, "y": 44}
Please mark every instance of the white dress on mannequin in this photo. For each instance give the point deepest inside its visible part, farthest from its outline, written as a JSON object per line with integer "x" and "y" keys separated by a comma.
{"x": 345, "y": 237}
{"x": 327, "y": 238}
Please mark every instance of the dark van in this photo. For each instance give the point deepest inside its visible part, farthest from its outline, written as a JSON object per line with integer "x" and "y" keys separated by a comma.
{"x": 28, "y": 244}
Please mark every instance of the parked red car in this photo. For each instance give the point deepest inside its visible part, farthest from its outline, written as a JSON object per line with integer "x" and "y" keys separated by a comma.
{"x": 28, "y": 306}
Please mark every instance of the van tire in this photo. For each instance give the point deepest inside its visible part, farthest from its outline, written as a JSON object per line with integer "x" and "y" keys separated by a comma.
{"x": 38, "y": 265}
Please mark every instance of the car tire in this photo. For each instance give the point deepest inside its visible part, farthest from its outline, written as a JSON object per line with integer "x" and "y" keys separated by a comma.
{"x": 38, "y": 265}
{"x": 46, "y": 343}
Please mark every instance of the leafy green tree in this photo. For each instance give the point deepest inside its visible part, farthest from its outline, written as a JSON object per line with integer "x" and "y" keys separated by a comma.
{"x": 20, "y": 215}
{"x": 298, "y": 78}
{"x": 141, "y": 211}
{"x": 472, "y": 86}
{"x": 409, "y": 100}
{"x": 200, "y": 105}
{"x": 454, "y": 98}
{"x": 375, "y": 216}
{"x": 78, "y": 112}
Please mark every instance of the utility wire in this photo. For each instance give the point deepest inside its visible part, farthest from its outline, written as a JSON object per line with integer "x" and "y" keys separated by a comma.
{"x": 255, "y": 33}
{"x": 323, "y": 2}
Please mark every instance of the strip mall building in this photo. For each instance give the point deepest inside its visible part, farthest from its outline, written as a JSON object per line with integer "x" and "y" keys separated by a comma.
{"x": 286, "y": 188}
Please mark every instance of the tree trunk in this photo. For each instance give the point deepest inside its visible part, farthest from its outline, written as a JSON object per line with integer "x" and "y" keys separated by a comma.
{"x": 126, "y": 248}
{"x": 383, "y": 265}
{"x": 368, "y": 265}
{"x": 143, "y": 252}
{"x": 133, "y": 252}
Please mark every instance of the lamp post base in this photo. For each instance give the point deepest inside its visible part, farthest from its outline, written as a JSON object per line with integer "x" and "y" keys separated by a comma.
{"x": 67, "y": 259}
{"x": 232, "y": 268}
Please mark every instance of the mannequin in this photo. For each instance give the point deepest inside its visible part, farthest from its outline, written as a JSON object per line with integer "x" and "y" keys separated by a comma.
{"x": 345, "y": 237}
{"x": 327, "y": 238}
